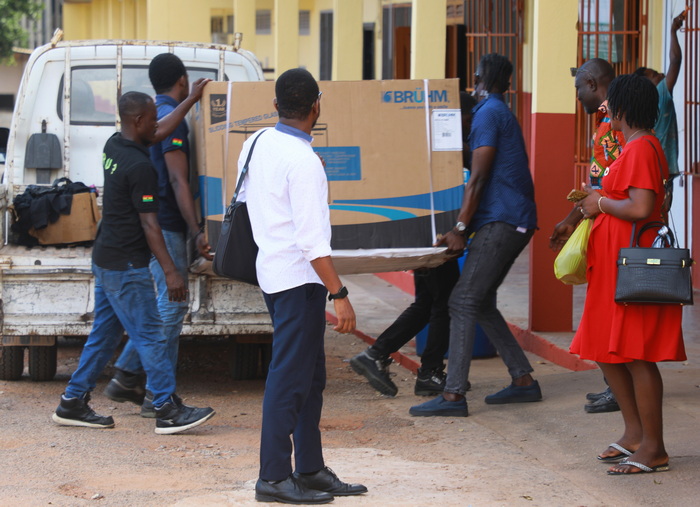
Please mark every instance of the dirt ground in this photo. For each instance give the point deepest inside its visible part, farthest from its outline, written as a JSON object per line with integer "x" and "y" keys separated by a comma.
{"x": 489, "y": 458}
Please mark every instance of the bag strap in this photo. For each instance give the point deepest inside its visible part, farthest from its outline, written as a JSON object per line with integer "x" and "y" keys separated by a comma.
{"x": 663, "y": 189}
{"x": 244, "y": 172}
{"x": 666, "y": 184}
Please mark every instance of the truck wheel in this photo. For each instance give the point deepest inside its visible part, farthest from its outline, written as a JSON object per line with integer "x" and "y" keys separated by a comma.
{"x": 42, "y": 362}
{"x": 246, "y": 358}
{"x": 11, "y": 362}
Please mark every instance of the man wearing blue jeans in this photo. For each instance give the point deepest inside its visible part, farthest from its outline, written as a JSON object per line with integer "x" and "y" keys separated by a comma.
{"x": 124, "y": 294}
{"x": 499, "y": 209}
{"x": 177, "y": 217}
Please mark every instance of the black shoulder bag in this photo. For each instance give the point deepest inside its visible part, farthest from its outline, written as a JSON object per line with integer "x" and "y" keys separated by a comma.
{"x": 236, "y": 250}
{"x": 658, "y": 275}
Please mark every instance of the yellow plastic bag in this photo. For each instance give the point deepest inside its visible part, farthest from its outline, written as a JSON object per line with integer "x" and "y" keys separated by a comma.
{"x": 570, "y": 264}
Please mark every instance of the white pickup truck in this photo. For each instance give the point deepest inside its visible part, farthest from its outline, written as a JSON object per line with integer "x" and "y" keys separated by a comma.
{"x": 65, "y": 111}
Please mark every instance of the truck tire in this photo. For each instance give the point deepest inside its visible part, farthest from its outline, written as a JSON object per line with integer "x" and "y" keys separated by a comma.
{"x": 11, "y": 362}
{"x": 42, "y": 363}
{"x": 246, "y": 359}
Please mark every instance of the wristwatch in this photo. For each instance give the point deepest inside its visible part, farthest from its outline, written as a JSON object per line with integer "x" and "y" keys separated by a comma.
{"x": 459, "y": 228}
{"x": 341, "y": 294}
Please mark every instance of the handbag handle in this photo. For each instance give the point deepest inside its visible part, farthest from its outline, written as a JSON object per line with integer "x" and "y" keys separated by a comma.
{"x": 244, "y": 172}
{"x": 667, "y": 237}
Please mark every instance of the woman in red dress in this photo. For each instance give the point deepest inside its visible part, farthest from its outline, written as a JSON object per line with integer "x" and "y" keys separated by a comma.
{"x": 628, "y": 340}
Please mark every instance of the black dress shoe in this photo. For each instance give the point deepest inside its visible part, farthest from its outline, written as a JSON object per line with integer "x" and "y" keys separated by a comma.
{"x": 326, "y": 480}
{"x": 606, "y": 403}
{"x": 289, "y": 491}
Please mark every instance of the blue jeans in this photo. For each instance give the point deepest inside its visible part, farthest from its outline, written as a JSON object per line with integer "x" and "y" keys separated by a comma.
{"x": 296, "y": 378}
{"x": 171, "y": 313}
{"x": 492, "y": 252}
{"x": 124, "y": 300}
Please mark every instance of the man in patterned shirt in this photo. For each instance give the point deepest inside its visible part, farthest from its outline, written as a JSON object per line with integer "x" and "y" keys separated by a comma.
{"x": 592, "y": 80}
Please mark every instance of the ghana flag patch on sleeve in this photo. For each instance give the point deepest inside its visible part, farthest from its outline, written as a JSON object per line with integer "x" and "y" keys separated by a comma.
{"x": 177, "y": 142}
{"x": 147, "y": 198}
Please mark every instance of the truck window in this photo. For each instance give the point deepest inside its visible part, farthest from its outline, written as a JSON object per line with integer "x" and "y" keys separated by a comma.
{"x": 93, "y": 96}
{"x": 94, "y": 91}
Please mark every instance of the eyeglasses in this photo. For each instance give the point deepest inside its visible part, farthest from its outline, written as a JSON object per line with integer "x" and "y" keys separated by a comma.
{"x": 319, "y": 95}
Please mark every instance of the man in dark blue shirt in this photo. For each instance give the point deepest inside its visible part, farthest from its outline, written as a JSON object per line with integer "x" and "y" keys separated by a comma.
{"x": 498, "y": 210}
{"x": 177, "y": 219}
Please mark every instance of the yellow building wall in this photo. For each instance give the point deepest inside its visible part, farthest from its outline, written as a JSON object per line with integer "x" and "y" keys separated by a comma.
{"x": 554, "y": 43}
{"x": 428, "y": 32}
{"x": 655, "y": 31}
{"x": 310, "y": 45}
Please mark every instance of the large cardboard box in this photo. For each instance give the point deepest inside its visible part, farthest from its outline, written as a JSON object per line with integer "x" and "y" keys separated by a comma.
{"x": 392, "y": 151}
{"x": 77, "y": 227}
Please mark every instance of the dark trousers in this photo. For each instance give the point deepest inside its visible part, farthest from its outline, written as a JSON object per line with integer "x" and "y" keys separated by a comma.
{"x": 295, "y": 381}
{"x": 433, "y": 289}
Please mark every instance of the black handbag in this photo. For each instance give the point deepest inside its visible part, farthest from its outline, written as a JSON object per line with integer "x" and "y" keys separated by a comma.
{"x": 654, "y": 275}
{"x": 236, "y": 250}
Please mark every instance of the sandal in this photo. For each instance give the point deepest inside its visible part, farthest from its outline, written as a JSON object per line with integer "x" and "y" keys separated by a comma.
{"x": 643, "y": 469}
{"x": 624, "y": 453}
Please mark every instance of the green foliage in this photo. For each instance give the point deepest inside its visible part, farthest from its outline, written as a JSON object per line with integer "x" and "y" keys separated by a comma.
{"x": 11, "y": 32}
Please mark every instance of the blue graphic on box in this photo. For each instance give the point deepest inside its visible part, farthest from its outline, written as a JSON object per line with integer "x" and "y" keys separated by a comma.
{"x": 342, "y": 162}
{"x": 391, "y": 208}
{"x": 416, "y": 96}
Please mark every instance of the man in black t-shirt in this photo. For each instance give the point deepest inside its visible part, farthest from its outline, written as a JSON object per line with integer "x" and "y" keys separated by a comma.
{"x": 178, "y": 220}
{"x": 124, "y": 294}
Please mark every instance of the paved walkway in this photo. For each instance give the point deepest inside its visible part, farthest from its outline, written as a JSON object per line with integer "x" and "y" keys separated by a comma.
{"x": 557, "y": 433}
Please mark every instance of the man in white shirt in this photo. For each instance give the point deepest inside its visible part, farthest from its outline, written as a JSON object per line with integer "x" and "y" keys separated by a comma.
{"x": 287, "y": 196}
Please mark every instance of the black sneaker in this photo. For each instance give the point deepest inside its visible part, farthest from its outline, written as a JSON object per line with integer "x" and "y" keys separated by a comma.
{"x": 430, "y": 382}
{"x": 147, "y": 409}
{"x": 374, "y": 369}
{"x": 77, "y": 412}
{"x": 174, "y": 416}
{"x": 126, "y": 386}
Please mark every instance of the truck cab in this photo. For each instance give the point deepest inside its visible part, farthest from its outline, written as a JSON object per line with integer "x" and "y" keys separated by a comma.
{"x": 65, "y": 112}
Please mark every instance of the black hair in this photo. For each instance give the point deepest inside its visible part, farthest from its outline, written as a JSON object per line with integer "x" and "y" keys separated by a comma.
{"x": 164, "y": 71}
{"x": 634, "y": 97}
{"x": 132, "y": 104}
{"x": 496, "y": 71}
{"x": 466, "y": 103}
{"x": 641, "y": 71}
{"x": 296, "y": 91}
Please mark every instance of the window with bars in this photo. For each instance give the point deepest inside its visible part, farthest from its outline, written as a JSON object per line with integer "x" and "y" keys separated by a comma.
{"x": 263, "y": 22}
{"x": 496, "y": 26}
{"x": 616, "y": 31}
{"x": 304, "y": 22}
{"x": 691, "y": 59}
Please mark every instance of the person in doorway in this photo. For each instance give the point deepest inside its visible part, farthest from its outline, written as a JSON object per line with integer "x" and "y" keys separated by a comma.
{"x": 591, "y": 82}
{"x": 628, "y": 340}
{"x": 499, "y": 209}
{"x": 286, "y": 192}
{"x": 666, "y": 127}
{"x": 432, "y": 289}
{"x": 178, "y": 220}
{"x": 124, "y": 294}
